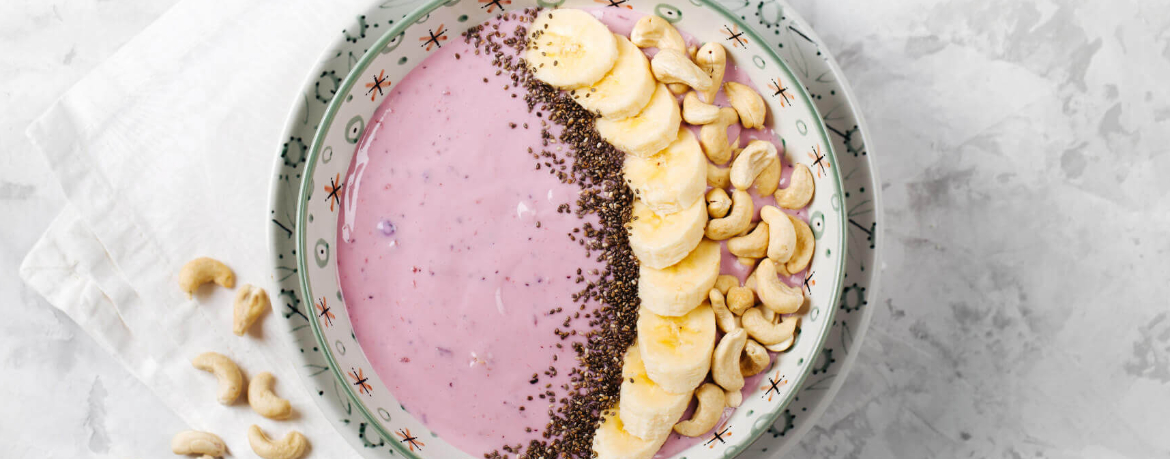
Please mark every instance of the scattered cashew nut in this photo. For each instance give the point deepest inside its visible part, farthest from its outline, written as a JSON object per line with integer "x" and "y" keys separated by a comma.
{"x": 781, "y": 234}
{"x": 713, "y": 136}
{"x": 723, "y": 316}
{"x": 264, "y": 401}
{"x": 752, "y": 245}
{"x": 755, "y": 158}
{"x": 747, "y": 261}
{"x": 725, "y": 361}
{"x": 712, "y": 59}
{"x": 766, "y": 332}
{"x": 725, "y": 282}
{"x": 292, "y": 446}
{"x": 755, "y": 358}
{"x": 740, "y": 299}
{"x": 196, "y": 442}
{"x": 711, "y": 403}
{"x": 736, "y": 221}
{"x": 805, "y": 245}
{"x": 718, "y": 177}
{"x": 747, "y": 102}
{"x": 231, "y": 381}
{"x": 769, "y": 179}
{"x": 718, "y": 203}
{"x": 250, "y": 303}
{"x": 672, "y": 66}
{"x": 203, "y": 270}
{"x": 697, "y": 112}
{"x": 775, "y": 294}
{"x": 799, "y": 191}
{"x": 654, "y": 32}
{"x": 781, "y": 346}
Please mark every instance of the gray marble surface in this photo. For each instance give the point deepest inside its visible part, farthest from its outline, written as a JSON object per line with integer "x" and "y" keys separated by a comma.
{"x": 1022, "y": 148}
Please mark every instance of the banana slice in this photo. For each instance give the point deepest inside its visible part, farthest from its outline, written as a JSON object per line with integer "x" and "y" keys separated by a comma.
{"x": 648, "y": 132}
{"x": 677, "y": 350}
{"x": 676, "y": 290}
{"x": 662, "y": 241}
{"x": 673, "y": 179}
{"x": 612, "y": 441}
{"x": 625, "y": 90}
{"x": 647, "y": 410}
{"x": 570, "y": 48}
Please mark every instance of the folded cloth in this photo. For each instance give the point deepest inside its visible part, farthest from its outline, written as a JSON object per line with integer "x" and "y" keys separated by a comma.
{"x": 164, "y": 153}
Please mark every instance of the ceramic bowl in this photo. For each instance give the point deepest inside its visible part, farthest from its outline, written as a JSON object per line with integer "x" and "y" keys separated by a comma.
{"x": 793, "y": 117}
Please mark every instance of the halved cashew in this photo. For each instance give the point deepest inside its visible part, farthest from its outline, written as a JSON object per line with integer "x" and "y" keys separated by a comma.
{"x": 781, "y": 234}
{"x": 264, "y": 401}
{"x": 718, "y": 177}
{"x": 783, "y": 345}
{"x": 292, "y": 446}
{"x": 736, "y": 221}
{"x": 752, "y": 245}
{"x": 747, "y": 261}
{"x": 769, "y": 179}
{"x": 747, "y": 103}
{"x": 203, "y": 270}
{"x": 712, "y": 59}
{"x": 718, "y": 203}
{"x": 751, "y": 162}
{"x": 723, "y": 316}
{"x": 725, "y": 361}
{"x": 725, "y": 282}
{"x": 672, "y": 66}
{"x": 696, "y": 111}
{"x": 250, "y": 303}
{"x": 799, "y": 191}
{"x": 805, "y": 246}
{"x": 678, "y": 88}
{"x": 755, "y": 358}
{"x": 713, "y": 136}
{"x": 775, "y": 294}
{"x": 711, "y": 403}
{"x": 740, "y": 299}
{"x": 231, "y": 381}
{"x": 734, "y": 398}
{"x": 766, "y": 332}
{"x": 654, "y": 32}
{"x": 196, "y": 442}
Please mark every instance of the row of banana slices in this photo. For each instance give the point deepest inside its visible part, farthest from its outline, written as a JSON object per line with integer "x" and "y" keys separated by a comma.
{"x": 674, "y": 231}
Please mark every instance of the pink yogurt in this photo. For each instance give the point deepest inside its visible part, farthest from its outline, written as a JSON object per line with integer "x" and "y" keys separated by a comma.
{"x": 448, "y": 280}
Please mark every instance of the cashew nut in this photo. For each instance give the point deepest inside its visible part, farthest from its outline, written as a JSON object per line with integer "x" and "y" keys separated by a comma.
{"x": 654, "y": 32}
{"x": 292, "y": 446}
{"x": 799, "y": 191}
{"x": 203, "y": 270}
{"x": 781, "y": 346}
{"x": 264, "y": 401}
{"x": 718, "y": 177}
{"x": 752, "y": 245}
{"x": 747, "y": 261}
{"x": 725, "y": 361}
{"x": 718, "y": 203}
{"x": 723, "y": 316}
{"x": 756, "y": 157}
{"x": 196, "y": 442}
{"x": 712, "y": 59}
{"x": 805, "y": 245}
{"x": 755, "y": 358}
{"x": 250, "y": 303}
{"x": 713, "y": 136}
{"x": 769, "y": 179}
{"x": 734, "y": 398}
{"x": 747, "y": 103}
{"x": 231, "y": 381}
{"x": 711, "y": 403}
{"x": 739, "y": 299}
{"x": 725, "y": 282}
{"x": 672, "y": 66}
{"x": 766, "y": 332}
{"x": 775, "y": 294}
{"x": 697, "y": 112}
{"x": 736, "y": 221}
{"x": 781, "y": 234}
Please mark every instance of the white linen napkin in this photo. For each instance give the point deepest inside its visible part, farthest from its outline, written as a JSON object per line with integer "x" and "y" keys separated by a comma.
{"x": 164, "y": 153}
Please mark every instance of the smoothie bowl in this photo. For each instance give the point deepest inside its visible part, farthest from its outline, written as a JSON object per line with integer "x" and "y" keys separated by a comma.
{"x": 570, "y": 229}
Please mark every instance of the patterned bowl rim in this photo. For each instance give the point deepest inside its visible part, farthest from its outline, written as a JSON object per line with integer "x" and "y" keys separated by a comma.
{"x": 421, "y": 13}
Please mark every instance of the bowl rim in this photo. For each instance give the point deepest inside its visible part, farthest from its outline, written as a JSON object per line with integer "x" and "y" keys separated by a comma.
{"x": 421, "y": 13}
